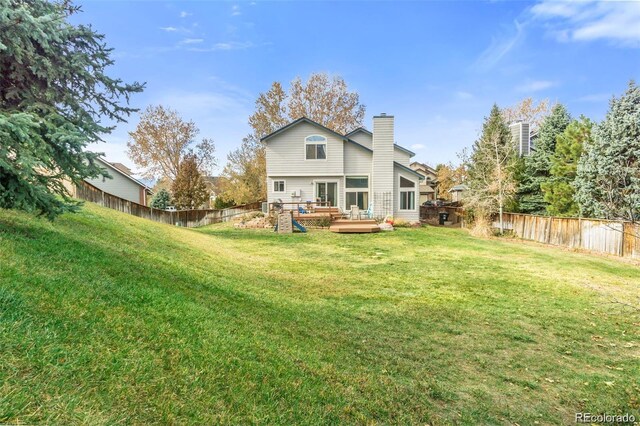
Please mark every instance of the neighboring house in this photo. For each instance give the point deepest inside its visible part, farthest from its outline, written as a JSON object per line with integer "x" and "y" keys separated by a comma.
{"x": 429, "y": 184}
{"x": 522, "y": 137}
{"x": 457, "y": 192}
{"x": 122, "y": 184}
{"x": 213, "y": 186}
{"x": 309, "y": 162}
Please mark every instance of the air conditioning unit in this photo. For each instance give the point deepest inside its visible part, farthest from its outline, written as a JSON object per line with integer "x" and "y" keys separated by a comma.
{"x": 295, "y": 193}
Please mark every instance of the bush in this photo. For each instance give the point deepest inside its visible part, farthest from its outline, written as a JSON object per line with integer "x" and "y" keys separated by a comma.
{"x": 401, "y": 223}
{"x": 324, "y": 222}
{"x": 161, "y": 199}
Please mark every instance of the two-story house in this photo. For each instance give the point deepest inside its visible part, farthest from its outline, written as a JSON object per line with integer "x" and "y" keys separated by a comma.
{"x": 428, "y": 186}
{"x": 307, "y": 161}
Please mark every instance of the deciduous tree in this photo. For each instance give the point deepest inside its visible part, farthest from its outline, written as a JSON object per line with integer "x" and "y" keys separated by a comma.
{"x": 162, "y": 140}
{"x": 448, "y": 176}
{"x": 189, "y": 188}
{"x": 608, "y": 176}
{"x": 528, "y": 111}
{"x": 55, "y": 98}
{"x": 491, "y": 169}
{"x": 324, "y": 99}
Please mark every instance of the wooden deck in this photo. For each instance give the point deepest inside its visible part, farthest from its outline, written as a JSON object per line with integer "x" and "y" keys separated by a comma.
{"x": 346, "y": 226}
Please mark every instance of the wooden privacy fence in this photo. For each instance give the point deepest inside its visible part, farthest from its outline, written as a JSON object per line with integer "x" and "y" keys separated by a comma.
{"x": 186, "y": 218}
{"x": 602, "y": 236}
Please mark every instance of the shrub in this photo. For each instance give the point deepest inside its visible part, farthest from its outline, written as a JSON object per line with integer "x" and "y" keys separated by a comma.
{"x": 161, "y": 199}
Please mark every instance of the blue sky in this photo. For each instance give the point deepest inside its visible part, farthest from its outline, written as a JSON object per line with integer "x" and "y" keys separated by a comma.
{"x": 437, "y": 66}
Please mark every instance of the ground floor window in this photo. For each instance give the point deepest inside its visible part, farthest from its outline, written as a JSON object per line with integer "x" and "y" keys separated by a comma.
{"x": 407, "y": 200}
{"x": 357, "y": 198}
{"x": 407, "y": 194}
{"x": 278, "y": 186}
{"x": 356, "y": 192}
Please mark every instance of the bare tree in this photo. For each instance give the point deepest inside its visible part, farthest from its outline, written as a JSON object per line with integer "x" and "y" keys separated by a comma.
{"x": 528, "y": 111}
{"x": 491, "y": 170}
{"x": 161, "y": 141}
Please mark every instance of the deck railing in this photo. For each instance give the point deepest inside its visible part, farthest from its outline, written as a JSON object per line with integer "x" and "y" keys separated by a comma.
{"x": 319, "y": 207}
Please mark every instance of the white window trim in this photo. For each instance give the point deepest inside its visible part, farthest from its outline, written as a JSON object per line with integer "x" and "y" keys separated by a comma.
{"x": 367, "y": 189}
{"x": 273, "y": 182}
{"x": 326, "y": 145}
{"x": 337, "y": 182}
{"x": 357, "y": 177}
{"x": 403, "y": 189}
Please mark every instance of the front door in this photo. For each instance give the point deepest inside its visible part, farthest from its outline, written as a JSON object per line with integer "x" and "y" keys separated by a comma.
{"x": 327, "y": 192}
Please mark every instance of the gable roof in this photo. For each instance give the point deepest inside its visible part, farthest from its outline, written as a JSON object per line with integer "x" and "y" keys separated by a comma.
{"x": 359, "y": 129}
{"x": 105, "y": 162}
{"x": 411, "y": 153}
{"x": 407, "y": 169}
{"x": 424, "y": 166}
{"x": 313, "y": 123}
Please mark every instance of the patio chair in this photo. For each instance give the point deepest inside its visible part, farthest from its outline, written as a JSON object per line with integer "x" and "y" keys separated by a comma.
{"x": 369, "y": 212}
{"x": 354, "y": 213}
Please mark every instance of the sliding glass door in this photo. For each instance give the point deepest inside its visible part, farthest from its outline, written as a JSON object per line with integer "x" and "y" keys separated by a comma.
{"x": 327, "y": 192}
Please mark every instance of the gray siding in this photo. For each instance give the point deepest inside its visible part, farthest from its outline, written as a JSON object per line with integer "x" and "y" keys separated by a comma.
{"x": 520, "y": 134}
{"x": 357, "y": 161}
{"x": 119, "y": 186}
{"x": 363, "y": 139}
{"x": 286, "y": 153}
{"x": 305, "y": 185}
{"x": 401, "y": 157}
{"x": 382, "y": 171}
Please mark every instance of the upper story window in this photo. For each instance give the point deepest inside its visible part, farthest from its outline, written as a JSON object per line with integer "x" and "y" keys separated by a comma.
{"x": 406, "y": 183}
{"x": 316, "y": 147}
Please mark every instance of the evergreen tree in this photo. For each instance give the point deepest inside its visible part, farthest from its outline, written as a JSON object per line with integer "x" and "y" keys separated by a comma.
{"x": 558, "y": 190}
{"x": 491, "y": 168}
{"x": 53, "y": 95}
{"x": 189, "y": 189}
{"x": 537, "y": 165}
{"x": 161, "y": 199}
{"x": 608, "y": 177}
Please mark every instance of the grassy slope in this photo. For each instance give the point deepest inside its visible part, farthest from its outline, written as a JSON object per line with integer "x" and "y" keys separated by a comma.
{"x": 106, "y": 318}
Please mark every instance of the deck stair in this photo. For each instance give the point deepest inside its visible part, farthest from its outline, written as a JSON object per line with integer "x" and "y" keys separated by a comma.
{"x": 344, "y": 226}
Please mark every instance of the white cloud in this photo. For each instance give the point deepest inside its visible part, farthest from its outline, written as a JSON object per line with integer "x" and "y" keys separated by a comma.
{"x": 192, "y": 40}
{"x": 169, "y": 29}
{"x": 231, "y": 45}
{"x": 417, "y": 146}
{"x": 184, "y": 14}
{"x": 461, "y": 94}
{"x": 500, "y": 47}
{"x": 535, "y": 86}
{"x": 596, "y": 97}
{"x": 235, "y": 10}
{"x": 615, "y": 21}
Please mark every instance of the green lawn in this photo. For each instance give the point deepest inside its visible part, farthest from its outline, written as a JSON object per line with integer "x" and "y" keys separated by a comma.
{"x": 106, "y": 319}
